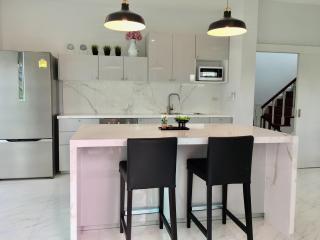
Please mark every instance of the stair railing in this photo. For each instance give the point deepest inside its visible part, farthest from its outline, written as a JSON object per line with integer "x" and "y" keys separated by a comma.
{"x": 283, "y": 107}
{"x": 273, "y": 101}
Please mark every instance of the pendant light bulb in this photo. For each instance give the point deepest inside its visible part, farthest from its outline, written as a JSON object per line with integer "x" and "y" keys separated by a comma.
{"x": 124, "y": 20}
{"x": 227, "y": 26}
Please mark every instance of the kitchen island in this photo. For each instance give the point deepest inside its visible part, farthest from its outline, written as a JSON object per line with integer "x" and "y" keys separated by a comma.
{"x": 95, "y": 152}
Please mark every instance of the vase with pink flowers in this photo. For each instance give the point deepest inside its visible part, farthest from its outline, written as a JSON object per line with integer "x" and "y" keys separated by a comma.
{"x": 133, "y": 37}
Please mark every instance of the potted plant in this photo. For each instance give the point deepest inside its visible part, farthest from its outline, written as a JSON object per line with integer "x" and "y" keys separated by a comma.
{"x": 117, "y": 50}
{"x": 107, "y": 50}
{"x": 164, "y": 121}
{"x": 95, "y": 49}
{"x": 133, "y": 37}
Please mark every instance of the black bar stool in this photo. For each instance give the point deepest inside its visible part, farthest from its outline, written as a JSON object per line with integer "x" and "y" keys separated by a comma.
{"x": 228, "y": 162}
{"x": 151, "y": 164}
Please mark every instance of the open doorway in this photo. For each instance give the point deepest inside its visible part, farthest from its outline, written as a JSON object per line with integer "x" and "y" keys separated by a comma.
{"x": 275, "y": 91}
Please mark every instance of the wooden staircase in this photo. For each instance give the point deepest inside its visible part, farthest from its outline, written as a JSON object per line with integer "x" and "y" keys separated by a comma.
{"x": 278, "y": 111}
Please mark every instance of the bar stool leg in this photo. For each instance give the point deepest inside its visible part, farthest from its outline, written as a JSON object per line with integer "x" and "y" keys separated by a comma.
{"x": 129, "y": 215}
{"x": 224, "y": 203}
{"x": 161, "y": 190}
{"x": 248, "y": 210}
{"x": 209, "y": 212}
{"x": 122, "y": 192}
{"x": 189, "y": 198}
{"x": 173, "y": 216}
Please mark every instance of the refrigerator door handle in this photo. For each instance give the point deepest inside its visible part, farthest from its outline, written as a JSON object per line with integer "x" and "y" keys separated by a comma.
{"x": 25, "y": 140}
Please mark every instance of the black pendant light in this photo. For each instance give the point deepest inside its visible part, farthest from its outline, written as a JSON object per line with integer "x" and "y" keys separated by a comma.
{"x": 125, "y": 20}
{"x": 227, "y": 26}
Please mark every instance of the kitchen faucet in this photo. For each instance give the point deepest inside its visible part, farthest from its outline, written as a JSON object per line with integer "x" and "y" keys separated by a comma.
{"x": 170, "y": 106}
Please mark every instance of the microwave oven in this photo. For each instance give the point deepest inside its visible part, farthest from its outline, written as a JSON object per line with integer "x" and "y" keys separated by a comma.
{"x": 210, "y": 73}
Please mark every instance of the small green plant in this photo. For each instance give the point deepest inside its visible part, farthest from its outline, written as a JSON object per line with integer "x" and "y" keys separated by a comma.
{"x": 117, "y": 50}
{"x": 107, "y": 50}
{"x": 164, "y": 120}
{"x": 95, "y": 49}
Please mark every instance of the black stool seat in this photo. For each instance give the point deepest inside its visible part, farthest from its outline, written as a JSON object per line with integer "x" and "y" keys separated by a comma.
{"x": 228, "y": 161}
{"x": 151, "y": 164}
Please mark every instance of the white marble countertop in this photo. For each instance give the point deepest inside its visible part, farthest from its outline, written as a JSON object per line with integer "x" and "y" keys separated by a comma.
{"x": 140, "y": 116}
{"x": 116, "y": 135}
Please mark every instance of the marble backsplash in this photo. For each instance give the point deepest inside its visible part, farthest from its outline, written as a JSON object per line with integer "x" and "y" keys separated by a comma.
{"x": 112, "y": 97}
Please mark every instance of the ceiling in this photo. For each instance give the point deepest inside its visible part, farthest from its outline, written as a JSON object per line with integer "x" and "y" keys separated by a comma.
{"x": 306, "y": 2}
{"x": 177, "y": 4}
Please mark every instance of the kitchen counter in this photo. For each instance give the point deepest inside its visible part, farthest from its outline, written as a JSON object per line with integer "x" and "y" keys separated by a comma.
{"x": 69, "y": 124}
{"x": 95, "y": 152}
{"x": 117, "y": 135}
{"x": 85, "y": 116}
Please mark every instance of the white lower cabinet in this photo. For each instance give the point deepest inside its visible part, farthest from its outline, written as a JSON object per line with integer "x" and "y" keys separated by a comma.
{"x": 72, "y": 124}
{"x": 149, "y": 121}
{"x": 67, "y": 128}
{"x": 221, "y": 120}
{"x": 64, "y": 158}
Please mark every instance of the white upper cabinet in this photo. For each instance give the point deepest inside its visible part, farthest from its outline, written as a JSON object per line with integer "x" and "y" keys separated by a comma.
{"x": 135, "y": 69}
{"x": 111, "y": 68}
{"x": 78, "y": 67}
{"x": 171, "y": 57}
{"x": 212, "y": 48}
{"x": 183, "y": 57}
{"x": 160, "y": 57}
{"x": 123, "y": 68}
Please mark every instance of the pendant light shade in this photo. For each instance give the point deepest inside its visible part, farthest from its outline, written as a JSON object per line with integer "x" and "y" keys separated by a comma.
{"x": 227, "y": 26}
{"x": 125, "y": 20}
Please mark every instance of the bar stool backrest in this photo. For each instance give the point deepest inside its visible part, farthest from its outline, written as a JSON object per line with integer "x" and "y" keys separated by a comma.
{"x": 229, "y": 160}
{"x": 151, "y": 163}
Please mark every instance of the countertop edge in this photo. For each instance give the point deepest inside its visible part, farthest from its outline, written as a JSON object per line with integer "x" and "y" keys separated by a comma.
{"x": 139, "y": 116}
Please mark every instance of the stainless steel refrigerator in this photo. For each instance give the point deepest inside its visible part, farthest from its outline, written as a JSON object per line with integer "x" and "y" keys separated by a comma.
{"x": 28, "y": 106}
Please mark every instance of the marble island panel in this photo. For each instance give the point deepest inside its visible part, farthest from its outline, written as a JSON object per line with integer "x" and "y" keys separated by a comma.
{"x": 96, "y": 150}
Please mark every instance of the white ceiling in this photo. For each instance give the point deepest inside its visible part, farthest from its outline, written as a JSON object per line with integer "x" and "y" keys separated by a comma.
{"x": 307, "y": 2}
{"x": 175, "y": 4}
{"x": 190, "y": 4}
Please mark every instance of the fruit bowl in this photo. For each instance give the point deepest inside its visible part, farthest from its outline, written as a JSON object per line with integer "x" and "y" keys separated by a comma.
{"x": 182, "y": 120}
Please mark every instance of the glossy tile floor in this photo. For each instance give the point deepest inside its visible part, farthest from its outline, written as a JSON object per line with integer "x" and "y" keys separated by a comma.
{"x": 39, "y": 210}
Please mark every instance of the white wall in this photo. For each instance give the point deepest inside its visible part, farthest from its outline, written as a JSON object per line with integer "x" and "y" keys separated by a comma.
{"x": 0, "y": 24}
{"x": 45, "y": 25}
{"x": 285, "y": 26}
{"x": 308, "y": 85}
{"x": 239, "y": 93}
{"x": 307, "y": 125}
{"x": 289, "y": 23}
{"x": 273, "y": 72}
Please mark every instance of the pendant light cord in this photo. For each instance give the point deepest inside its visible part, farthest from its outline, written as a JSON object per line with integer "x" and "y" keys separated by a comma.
{"x": 228, "y": 8}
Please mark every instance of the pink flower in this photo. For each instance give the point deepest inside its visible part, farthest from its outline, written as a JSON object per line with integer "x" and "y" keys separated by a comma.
{"x": 134, "y": 35}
